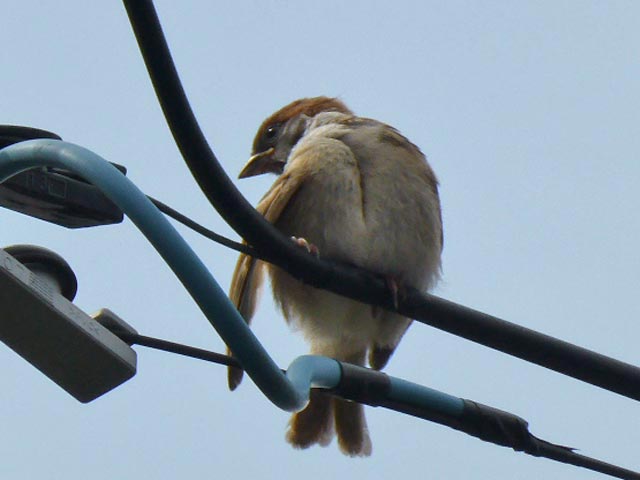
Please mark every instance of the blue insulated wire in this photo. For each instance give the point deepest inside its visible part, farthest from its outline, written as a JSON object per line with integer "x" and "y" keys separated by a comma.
{"x": 410, "y": 393}
{"x": 314, "y": 371}
{"x": 189, "y": 269}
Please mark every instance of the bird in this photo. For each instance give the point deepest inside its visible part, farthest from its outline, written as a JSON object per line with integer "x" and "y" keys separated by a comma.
{"x": 354, "y": 190}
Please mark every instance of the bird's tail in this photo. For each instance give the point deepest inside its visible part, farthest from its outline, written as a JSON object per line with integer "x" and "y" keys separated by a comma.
{"x": 316, "y": 423}
{"x": 351, "y": 428}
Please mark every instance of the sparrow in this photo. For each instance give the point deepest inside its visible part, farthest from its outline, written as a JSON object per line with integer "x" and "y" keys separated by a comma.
{"x": 353, "y": 190}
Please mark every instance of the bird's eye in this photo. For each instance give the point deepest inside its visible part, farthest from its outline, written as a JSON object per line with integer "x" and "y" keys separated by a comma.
{"x": 272, "y": 131}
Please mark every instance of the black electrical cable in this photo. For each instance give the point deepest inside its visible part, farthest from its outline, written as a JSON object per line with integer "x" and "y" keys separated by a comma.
{"x": 196, "y": 227}
{"x": 509, "y": 338}
{"x": 178, "y": 348}
{"x": 520, "y": 338}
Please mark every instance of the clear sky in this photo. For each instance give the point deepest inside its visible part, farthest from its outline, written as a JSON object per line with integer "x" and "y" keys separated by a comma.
{"x": 528, "y": 112}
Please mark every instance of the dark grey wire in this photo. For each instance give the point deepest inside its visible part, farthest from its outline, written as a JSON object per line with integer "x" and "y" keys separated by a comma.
{"x": 178, "y": 348}
{"x": 196, "y": 227}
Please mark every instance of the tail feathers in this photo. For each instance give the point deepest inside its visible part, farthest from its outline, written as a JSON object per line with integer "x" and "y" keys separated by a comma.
{"x": 315, "y": 425}
{"x": 234, "y": 375}
{"x": 351, "y": 428}
{"x": 245, "y": 289}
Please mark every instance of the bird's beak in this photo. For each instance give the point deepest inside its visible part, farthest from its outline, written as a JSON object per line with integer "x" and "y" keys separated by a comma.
{"x": 263, "y": 162}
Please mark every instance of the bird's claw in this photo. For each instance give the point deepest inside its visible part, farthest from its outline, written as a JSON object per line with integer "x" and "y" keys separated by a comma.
{"x": 309, "y": 247}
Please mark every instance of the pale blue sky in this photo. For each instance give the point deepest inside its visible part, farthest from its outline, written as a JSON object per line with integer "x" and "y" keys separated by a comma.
{"x": 528, "y": 112}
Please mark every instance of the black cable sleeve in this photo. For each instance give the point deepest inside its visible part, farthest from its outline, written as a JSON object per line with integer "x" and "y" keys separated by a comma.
{"x": 495, "y": 426}
{"x": 481, "y": 421}
{"x": 362, "y": 385}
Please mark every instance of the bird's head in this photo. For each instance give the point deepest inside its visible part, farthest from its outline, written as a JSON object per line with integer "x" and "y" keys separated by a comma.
{"x": 279, "y": 133}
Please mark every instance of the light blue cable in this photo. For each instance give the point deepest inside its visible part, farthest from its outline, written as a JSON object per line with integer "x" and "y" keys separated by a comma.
{"x": 176, "y": 252}
{"x": 420, "y": 396}
{"x": 314, "y": 371}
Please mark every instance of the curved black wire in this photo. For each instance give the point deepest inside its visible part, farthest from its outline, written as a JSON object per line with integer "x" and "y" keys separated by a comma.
{"x": 196, "y": 227}
{"x": 509, "y": 338}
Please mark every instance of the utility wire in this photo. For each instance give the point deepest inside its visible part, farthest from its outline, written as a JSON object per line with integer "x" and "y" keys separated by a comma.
{"x": 196, "y": 227}
{"x": 178, "y": 348}
{"x": 539, "y": 348}
{"x": 360, "y": 285}
{"x": 507, "y": 337}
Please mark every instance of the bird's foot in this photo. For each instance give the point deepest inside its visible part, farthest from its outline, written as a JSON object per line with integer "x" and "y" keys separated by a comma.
{"x": 309, "y": 247}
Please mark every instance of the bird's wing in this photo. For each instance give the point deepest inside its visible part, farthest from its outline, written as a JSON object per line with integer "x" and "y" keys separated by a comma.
{"x": 245, "y": 290}
{"x": 276, "y": 199}
{"x": 248, "y": 276}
